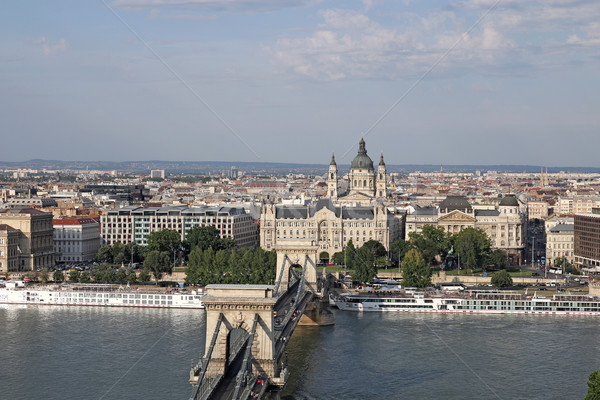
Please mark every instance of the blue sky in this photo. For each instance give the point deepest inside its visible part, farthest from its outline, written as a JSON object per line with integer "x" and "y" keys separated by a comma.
{"x": 426, "y": 82}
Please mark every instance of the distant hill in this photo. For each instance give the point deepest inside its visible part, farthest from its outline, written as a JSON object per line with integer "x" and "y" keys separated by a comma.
{"x": 212, "y": 167}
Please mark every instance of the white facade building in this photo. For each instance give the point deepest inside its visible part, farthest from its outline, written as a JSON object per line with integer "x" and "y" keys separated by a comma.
{"x": 76, "y": 239}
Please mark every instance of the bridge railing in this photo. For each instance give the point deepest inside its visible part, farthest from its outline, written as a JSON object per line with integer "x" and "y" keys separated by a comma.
{"x": 202, "y": 372}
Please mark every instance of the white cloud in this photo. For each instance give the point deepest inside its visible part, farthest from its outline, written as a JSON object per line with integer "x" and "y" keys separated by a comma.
{"x": 49, "y": 48}
{"x": 351, "y": 44}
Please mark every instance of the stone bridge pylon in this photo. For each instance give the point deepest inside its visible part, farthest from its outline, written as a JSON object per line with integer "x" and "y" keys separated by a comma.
{"x": 297, "y": 252}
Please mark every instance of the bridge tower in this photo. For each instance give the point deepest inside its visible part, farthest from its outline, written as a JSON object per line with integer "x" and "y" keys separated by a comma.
{"x": 234, "y": 307}
{"x": 297, "y": 252}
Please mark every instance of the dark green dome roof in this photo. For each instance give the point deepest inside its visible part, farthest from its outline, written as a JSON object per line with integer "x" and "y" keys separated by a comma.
{"x": 362, "y": 160}
{"x": 510, "y": 201}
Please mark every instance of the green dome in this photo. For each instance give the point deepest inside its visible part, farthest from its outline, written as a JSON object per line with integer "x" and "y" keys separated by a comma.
{"x": 362, "y": 160}
{"x": 509, "y": 201}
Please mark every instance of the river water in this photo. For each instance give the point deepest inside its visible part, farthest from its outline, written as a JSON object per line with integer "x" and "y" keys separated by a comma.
{"x": 114, "y": 353}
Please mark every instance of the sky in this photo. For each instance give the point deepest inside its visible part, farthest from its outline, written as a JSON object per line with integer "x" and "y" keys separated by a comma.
{"x": 425, "y": 82}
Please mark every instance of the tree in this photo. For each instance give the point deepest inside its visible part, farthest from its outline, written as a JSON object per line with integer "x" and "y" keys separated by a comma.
{"x": 137, "y": 250}
{"x": 562, "y": 263}
{"x": 121, "y": 276}
{"x": 85, "y": 277}
{"x": 158, "y": 263}
{"x": 338, "y": 258}
{"x": 44, "y": 275}
{"x": 104, "y": 254}
{"x": 497, "y": 258}
{"x": 57, "y": 276}
{"x": 415, "y": 271}
{"x": 166, "y": 240}
{"x": 204, "y": 237}
{"x": 375, "y": 248}
{"x": 432, "y": 242}
{"x": 131, "y": 275}
{"x": 119, "y": 253}
{"x": 74, "y": 275}
{"x": 593, "y": 386}
{"x": 472, "y": 246}
{"x": 398, "y": 250}
{"x": 350, "y": 252}
{"x": 144, "y": 276}
{"x": 502, "y": 279}
{"x": 364, "y": 265}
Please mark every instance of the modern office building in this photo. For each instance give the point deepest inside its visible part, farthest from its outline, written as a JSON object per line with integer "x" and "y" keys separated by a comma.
{"x": 134, "y": 224}
{"x": 587, "y": 240}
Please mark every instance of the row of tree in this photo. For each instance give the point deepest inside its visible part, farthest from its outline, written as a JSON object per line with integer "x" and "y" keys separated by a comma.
{"x": 164, "y": 249}
{"x": 231, "y": 266}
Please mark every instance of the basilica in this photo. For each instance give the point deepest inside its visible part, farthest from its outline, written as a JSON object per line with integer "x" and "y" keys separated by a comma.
{"x": 364, "y": 183}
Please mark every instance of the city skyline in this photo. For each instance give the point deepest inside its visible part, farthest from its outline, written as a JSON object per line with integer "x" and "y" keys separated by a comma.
{"x": 477, "y": 82}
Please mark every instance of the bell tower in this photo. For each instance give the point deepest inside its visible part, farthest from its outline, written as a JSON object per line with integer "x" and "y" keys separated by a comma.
{"x": 380, "y": 190}
{"x": 332, "y": 180}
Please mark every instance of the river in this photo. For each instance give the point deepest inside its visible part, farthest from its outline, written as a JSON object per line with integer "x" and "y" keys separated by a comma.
{"x": 114, "y": 353}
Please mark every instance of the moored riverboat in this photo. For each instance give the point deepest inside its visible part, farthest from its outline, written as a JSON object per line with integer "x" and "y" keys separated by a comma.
{"x": 471, "y": 302}
{"x": 101, "y": 296}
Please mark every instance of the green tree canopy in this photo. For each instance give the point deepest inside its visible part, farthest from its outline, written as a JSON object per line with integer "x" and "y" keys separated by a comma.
{"x": 205, "y": 237}
{"x": 57, "y": 276}
{"x": 338, "y": 258}
{"x": 431, "y": 242}
{"x": 245, "y": 266}
{"x": 497, "y": 258}
{"x": 74, "y": 275}
{"x": 104, "y": 254}
{"x": 472, "y": 246}
{"x": 375, "y": 248}
{"x": 158, "y": 263}
{"x": 502, "y": 279}
{"x": 398, "y": 249}
{"x": 364, "y": 265}
{"x": 593, "y": 386}
{"x": 166, "y": 240}
{"x": 415, "y": 271}
{"x": 350, "y": 254}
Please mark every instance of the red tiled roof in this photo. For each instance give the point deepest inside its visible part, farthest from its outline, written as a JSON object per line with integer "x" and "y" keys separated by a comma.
{"x": 73, "y": 221}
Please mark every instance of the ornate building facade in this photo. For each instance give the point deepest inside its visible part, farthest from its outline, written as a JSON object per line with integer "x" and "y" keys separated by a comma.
{"x": 505, "y": 225}
{"x": 329, "y": 226}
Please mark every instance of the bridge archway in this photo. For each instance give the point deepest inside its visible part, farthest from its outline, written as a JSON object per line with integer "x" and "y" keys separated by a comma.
{"x": 324, "y": 257}
{"x": 301, "y": 252}
{"x": 230, "y": 313}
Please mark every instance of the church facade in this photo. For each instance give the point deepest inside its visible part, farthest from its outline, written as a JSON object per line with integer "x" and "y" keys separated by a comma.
{"x": 365, "y": 184}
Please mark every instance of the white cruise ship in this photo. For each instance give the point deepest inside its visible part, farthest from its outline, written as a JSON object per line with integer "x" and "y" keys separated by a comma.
{"x": 101, "y": 295}
{"x": 471, "y": 302}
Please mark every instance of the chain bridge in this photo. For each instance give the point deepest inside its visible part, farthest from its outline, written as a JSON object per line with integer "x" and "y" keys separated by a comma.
{"x": 249, "y": 326}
